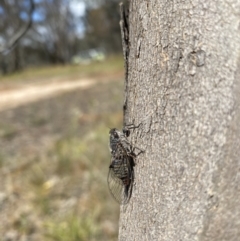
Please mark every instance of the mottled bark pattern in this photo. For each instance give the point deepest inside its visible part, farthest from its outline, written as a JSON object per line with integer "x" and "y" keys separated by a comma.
{"x": 124, "y": 27}
{"x": 184, "y": 87}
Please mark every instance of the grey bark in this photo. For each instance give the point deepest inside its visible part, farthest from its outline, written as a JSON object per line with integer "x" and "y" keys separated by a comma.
{"x": 184, "y": 87}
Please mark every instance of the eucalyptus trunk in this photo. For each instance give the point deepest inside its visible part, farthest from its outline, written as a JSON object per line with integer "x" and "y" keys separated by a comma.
{"x": 183, "y": 87}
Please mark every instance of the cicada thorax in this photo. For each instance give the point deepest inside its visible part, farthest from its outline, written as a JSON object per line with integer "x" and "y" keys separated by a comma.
{"x": 118, "y": 142}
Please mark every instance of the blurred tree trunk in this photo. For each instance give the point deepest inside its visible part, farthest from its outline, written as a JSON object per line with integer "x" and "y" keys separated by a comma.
{"x": 183, "y": 85}
{"x": 17, "y": 60}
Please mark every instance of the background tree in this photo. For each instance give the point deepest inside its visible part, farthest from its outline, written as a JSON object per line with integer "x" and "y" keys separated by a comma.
{"x": 102, "y": 25}
{"x": 183, "y": 86}
{"x": 58, "y": 31}
{"x": 16, "y": 20}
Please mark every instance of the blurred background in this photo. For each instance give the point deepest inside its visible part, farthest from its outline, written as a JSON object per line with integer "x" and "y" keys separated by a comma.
{"x": 61, "y": 89}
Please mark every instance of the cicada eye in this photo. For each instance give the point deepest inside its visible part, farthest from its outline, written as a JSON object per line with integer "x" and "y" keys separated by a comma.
{"x": 115, "y": 134}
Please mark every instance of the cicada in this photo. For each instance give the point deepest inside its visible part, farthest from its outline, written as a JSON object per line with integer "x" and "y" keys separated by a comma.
{"x": 121, "y": 169}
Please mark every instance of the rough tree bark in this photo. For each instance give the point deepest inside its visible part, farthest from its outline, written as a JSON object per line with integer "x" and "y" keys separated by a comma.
{"x": 183, "y": 85}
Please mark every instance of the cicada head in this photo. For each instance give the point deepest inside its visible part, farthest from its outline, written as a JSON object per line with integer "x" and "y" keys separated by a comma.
{"x": 114, "y": 135}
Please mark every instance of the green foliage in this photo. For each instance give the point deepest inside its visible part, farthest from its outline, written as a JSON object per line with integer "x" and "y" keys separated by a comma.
{"x": 2, "y": 159}
{"x": 72, "y": 228}
{"x": 7, "y": 131}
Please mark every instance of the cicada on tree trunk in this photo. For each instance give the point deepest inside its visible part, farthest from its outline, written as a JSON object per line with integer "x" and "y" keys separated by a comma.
{"x": 121, "y": 169}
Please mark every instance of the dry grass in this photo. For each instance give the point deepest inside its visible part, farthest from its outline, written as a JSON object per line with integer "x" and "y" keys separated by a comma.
{"x": 111, "y": 66}
{"x": 54, "y": 158}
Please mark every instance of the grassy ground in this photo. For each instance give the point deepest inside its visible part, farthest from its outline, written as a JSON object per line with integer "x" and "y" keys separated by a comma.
{"x": 112, "y": 65}
{"x": 54, "y": 158}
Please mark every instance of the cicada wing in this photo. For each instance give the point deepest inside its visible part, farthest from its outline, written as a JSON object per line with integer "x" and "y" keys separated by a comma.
{"x": 120, "y": 179}
{"x": 115, "y": 186}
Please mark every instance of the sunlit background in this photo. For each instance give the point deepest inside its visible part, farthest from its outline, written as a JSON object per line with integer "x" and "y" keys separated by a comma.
{"x": 61, "y": 89}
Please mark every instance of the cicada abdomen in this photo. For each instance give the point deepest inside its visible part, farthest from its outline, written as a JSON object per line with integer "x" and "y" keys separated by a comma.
{"x": 121, "y": 178}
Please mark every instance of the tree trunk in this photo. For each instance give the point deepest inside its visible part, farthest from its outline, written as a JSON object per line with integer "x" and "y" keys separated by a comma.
{"x": 17, "y": 60}
{"x": 183, "y": 86}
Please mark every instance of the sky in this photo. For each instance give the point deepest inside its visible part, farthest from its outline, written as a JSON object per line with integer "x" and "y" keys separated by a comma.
{"x": 77, "y": 7}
